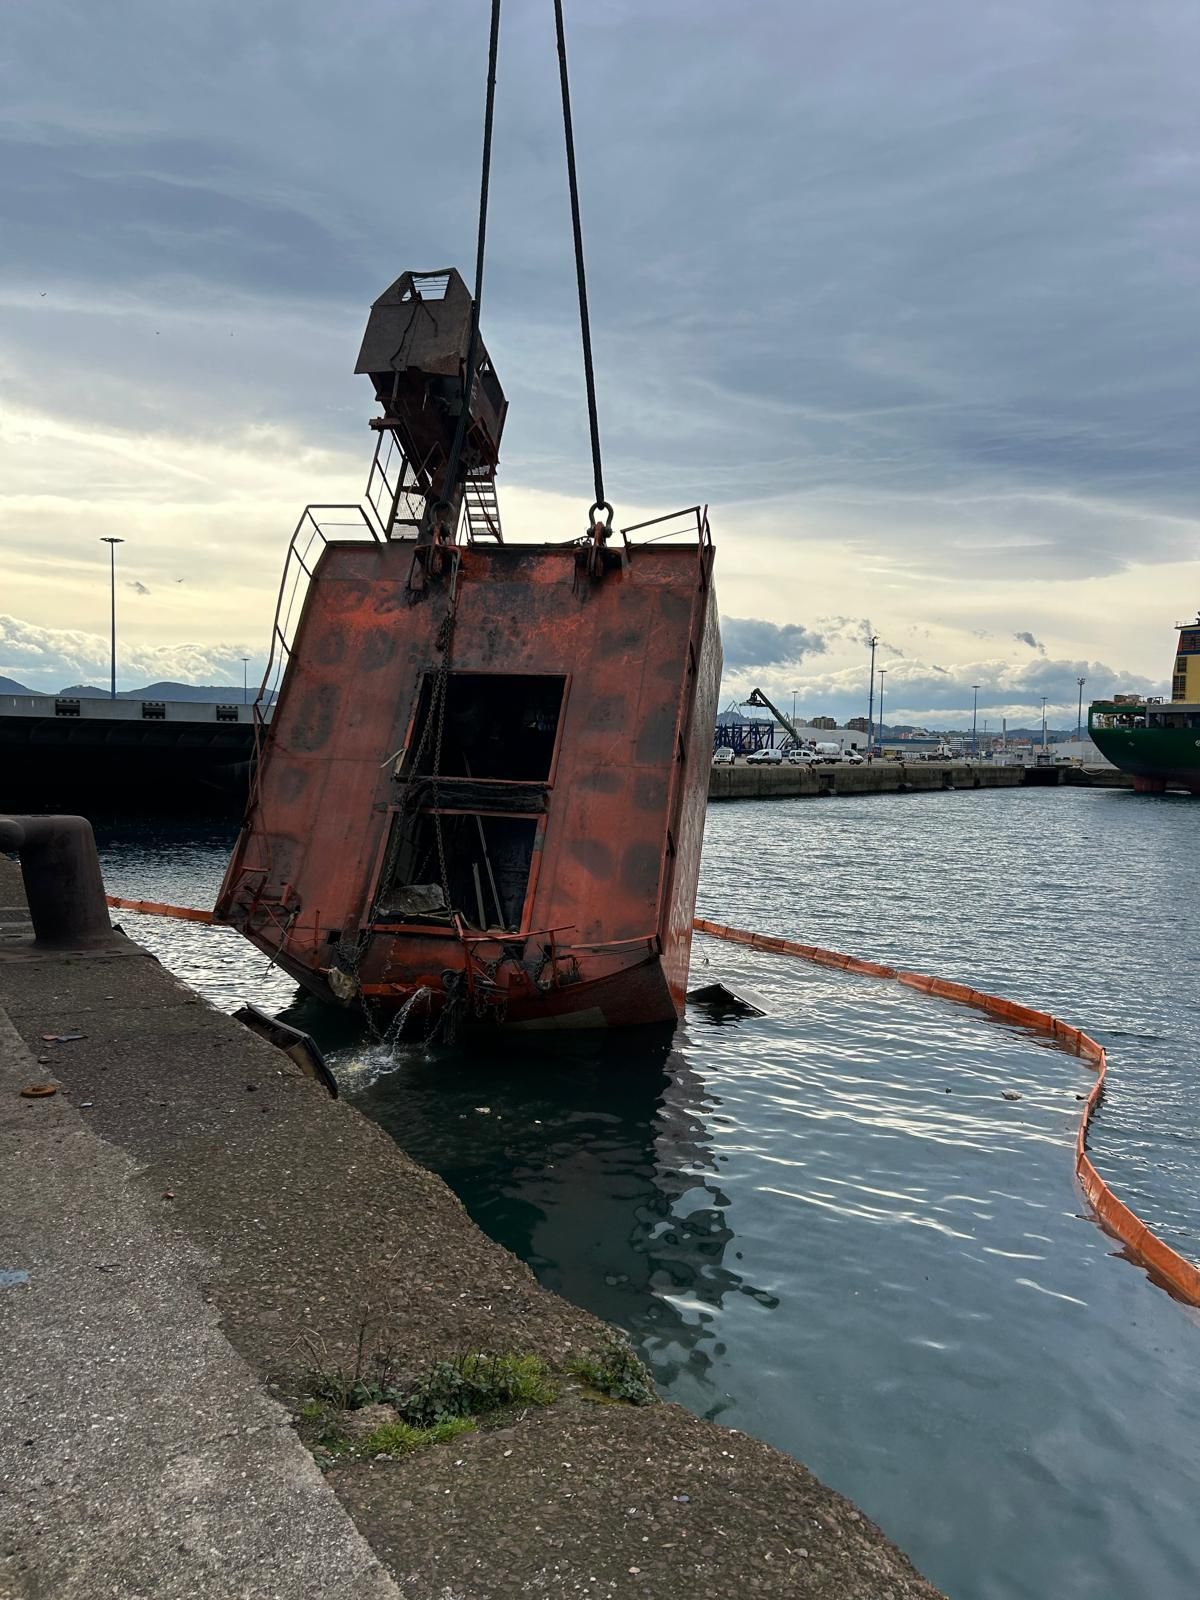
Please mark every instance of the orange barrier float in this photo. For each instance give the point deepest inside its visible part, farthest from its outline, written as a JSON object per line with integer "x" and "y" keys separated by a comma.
{"x": 1174, "y": 1272}
{"x": 1166, "y": 1267}
{"x": 154, "y": 908}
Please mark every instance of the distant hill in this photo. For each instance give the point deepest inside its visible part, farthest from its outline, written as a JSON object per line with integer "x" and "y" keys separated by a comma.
{"x": 184, "y": 691}
{"x": 11, "y": 686}
{"x": 191, "y": 691}
{"x": 225, "y": 693}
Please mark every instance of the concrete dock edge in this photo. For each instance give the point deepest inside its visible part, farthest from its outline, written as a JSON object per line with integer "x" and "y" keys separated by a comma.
{"x": 188, "y": 1225}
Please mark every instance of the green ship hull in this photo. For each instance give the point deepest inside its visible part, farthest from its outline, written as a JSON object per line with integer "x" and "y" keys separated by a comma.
{"x": 1136, "y": 739}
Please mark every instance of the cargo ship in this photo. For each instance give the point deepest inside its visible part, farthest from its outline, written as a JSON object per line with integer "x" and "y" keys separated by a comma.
{"x": 1156, "y": 740}
{"x": 482, "y": 789}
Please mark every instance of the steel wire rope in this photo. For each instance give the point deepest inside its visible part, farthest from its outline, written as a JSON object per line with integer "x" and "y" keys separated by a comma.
{"x": 464, "y": 416}
{"x": 437, "y": 709}
{"x": 438, "y": 696}
{"x": 585, "y": 330}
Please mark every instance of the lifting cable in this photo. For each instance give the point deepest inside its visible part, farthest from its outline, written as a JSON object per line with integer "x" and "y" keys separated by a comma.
{"x": 464, "y": 417}
{"x": 601, "y": 504}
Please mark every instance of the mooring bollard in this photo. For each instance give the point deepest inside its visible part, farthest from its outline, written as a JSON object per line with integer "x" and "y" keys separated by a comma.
{"x": 63, "y": 882}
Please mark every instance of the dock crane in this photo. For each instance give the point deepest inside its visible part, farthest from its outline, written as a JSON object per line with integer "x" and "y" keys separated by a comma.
{"x": 757, "y": 698}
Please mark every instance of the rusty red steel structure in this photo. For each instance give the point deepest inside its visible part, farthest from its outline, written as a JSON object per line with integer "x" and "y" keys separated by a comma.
{"x": 484, "y": 781}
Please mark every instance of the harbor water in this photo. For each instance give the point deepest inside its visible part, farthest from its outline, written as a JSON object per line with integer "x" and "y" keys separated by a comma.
{"x": 827, "y": 1225}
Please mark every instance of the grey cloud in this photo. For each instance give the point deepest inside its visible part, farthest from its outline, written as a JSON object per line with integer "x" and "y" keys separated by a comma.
{"x": 860, "y": 630}
{"x": 137, "y": 587}
{"x": 750, "y": 642}
{"x": 931, "y": 266}
{"x": 1027, "y": 638}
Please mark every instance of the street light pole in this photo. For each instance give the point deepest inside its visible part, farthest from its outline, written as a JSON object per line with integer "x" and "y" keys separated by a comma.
{"x": 1043, "y": 724}
{"x": 882, "y": 676}
{"x": 1079, "y": 719}
{"x": 874, "y": 640}
{"x": 112, "y": 587}
{"x": 245, "y": 687}
{"x": 974, "y": 722}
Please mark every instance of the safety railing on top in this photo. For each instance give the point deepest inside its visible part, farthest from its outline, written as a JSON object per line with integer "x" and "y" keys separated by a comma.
{"x": 690, "y": 523}
{"x": 397, "y": 488}
{"x": 317, "y": 527}
{"x": 1166, "y": 1266}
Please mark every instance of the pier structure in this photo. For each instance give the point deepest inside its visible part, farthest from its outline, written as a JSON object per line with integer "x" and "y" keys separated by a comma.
{"x": 89, "y": 755}
{"x": 193, "y": 1231}
{"x": 755, "y": 782}
{"x": 85, "y": 753}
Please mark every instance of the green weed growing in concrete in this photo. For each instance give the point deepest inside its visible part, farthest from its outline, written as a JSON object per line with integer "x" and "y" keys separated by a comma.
{"x": 473, "y": 1384}
{"x": 399, "y": 1439}
{"x": 464, "y": 1387}
{"x": 614, "y": 1371}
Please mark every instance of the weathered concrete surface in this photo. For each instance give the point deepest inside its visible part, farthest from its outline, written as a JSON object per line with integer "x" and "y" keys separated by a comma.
{"x": 139, "y": 1454}
{"x": 761, "y": 782}
{"x": 743, "y": 782}
{"x": 186, "y": 1196}
{"x": 605, "y": 1500}
{"x": 310, "y": 1219}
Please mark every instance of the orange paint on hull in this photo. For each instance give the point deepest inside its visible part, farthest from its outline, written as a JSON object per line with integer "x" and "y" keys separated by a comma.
{"x": 488, "y": 783}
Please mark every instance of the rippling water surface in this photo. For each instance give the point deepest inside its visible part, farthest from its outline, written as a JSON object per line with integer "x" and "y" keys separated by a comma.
{"x": 826, "y": 1225}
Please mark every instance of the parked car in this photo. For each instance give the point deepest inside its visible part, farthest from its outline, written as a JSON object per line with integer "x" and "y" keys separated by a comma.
{"x": 765, "y": 758}
{"x": 852, "y": 758}
{"x": 723, "y": 757}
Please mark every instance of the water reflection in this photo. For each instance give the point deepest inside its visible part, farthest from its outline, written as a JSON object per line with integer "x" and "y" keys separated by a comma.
{"x": 593, "y": 1159}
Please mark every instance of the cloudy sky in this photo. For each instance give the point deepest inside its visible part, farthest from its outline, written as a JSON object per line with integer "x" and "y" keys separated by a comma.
{"x": 908, "y": 294}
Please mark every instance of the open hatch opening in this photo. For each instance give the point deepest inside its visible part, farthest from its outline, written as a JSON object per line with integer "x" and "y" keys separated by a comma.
{"x": 495, "y": 726}
{"x": 487, "y": 869}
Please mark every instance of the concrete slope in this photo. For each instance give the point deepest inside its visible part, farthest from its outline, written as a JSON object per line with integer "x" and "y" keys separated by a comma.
{"x": 194, "y": 1216}
{"x": 140, "y": 1455}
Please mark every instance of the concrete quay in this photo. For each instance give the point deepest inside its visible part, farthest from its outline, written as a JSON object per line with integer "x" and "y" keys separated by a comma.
{"x": 86, "y": 754}
{"x": 762, "y": 782}
{"x": 188, "y": 1226}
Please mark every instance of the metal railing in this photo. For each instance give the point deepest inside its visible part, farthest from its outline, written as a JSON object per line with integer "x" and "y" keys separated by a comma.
{"x": 396, "y": 490}
{"x": 690, "y": 523}
{"x": 317, "y": 527}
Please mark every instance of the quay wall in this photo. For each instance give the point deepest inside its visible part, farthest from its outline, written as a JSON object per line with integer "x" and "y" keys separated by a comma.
{"x": 190, "y": 1227}
{"x": 745, "y": 782}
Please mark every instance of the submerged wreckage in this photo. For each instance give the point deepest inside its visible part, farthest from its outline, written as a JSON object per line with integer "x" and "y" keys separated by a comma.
{"x": 484, "y": 781}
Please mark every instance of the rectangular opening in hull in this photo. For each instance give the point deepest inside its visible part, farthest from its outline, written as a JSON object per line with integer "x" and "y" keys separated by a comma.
{"x": 494, "y": 726}
{"x": 487, "y": 869}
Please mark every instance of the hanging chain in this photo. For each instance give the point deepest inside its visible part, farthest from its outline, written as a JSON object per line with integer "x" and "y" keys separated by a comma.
{"x": 437, "y": 709}
{"x": 600, "y": 503}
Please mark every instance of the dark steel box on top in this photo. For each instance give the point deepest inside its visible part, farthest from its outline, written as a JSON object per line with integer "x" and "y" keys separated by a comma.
{"x": 415, "y": 351}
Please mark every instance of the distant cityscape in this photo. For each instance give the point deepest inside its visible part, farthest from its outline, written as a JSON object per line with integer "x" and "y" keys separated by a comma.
{"x": 890, "y": 732}
{"x": 902, "y": 732}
